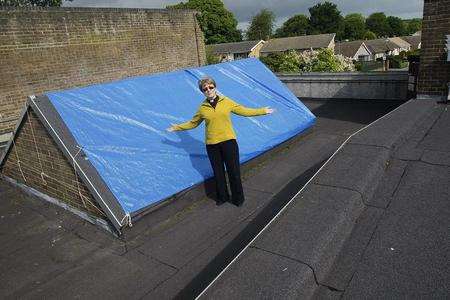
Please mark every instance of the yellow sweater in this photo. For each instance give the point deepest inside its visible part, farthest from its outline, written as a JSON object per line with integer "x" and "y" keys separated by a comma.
{"x": 218, "y": 122}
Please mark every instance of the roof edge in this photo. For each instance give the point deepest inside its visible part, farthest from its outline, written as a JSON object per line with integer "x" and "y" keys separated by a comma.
{"x": 260, "y": 41}
{"x": 367, "y": 48}
{"x": 13, "y": 135}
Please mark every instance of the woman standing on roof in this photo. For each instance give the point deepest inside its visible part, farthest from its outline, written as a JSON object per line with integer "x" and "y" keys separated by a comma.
{"x": 221, "y": 144}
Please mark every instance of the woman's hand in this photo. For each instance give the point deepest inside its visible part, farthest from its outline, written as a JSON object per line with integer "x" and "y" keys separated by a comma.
{"x": 171, "y": 128}
{"x": 269, "y": 110}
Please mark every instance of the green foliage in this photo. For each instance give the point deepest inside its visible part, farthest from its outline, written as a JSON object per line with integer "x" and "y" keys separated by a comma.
{"x": 397, "y": 62}
{"x": 413, "y": 53}
{"x": 396, "y": 26}
{"x": 325, "y": 18}
{"x": 370, "y": 66}
{"x": 273, "y": 61}
{"x": 23, "y": 3}
{"x": 325, "y": 62}
{"x": 369, "y": 35}
{"x": 211, "y": 58}
{"x": 294, "y": 26}
{"x": 322, "y": 60}
{"x": 403, "y": 54}
{"x": 378, "y": 24}
{"x": 290, "y": 63}
{"x": 412, "y": 25}
{"x": 353, "y": 27}
{"x": 217, "y": 23}
{"x": 358, "y": 66}
{"x": 261, "y": 25}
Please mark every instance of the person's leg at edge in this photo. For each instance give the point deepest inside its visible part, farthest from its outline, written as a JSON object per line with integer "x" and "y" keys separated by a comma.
{"x": 216, "y": 160}
{"x": 230, "y": 152}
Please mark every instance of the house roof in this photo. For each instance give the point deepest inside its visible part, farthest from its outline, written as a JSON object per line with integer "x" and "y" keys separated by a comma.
{"x": 348, "y": 49}
{"x": 237, "y": 47}
{"x": 381, "y": 45}
{"x": 414, "y": 40}
{"x": 298, "y": 43}
{"x": 401, "y": 42}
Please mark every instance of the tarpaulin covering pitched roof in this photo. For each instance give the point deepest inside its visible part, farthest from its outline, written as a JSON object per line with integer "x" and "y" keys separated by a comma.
{"x": 120, "y": 126}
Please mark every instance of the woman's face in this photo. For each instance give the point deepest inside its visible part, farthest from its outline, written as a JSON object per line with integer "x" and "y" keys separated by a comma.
{"x": 209, "y": 90}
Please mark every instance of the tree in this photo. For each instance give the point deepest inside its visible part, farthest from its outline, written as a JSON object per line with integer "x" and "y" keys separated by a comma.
{"x": 412, "y": 26}
{"x": 274, "y": 61}
{"x": 294, "y": 26}
{"x": 369, "y": 35}
{"x": 211, "y": 58}
{"x": 396, "y": 26}
{"x": 217, "y": 23}
{"x": 378, "y": 24}
{"x": 325, "y": 18}
{"x": 23, "y": 3}
{"x": 261, "y": 25}
{"x": 353, "y": 28}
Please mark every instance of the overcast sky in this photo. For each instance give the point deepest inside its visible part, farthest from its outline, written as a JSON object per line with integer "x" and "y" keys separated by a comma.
{"x": 243, "y": 10}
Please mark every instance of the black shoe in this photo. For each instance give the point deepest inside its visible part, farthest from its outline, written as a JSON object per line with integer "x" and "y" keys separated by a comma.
{"x": 238, "y": 204}
{"x": 219, "y": 203}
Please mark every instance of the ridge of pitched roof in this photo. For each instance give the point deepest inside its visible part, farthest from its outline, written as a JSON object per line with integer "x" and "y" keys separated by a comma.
{"x": 298, "y": 42}
{"x": 401, "y": 42}
{"x": 234, "y": 47}
{"x": 381, "y": 45}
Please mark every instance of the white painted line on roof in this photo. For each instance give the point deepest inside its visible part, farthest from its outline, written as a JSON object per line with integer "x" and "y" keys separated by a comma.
{"x": 289, "y": 202}
{"x": 75, "y": 162}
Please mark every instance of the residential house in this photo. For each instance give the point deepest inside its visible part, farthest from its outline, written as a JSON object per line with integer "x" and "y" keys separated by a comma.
{"x": 356, "y": 50}
{"x": 236, "y": 50}
{"x": 414, "y": 40}
{"x": 299, "y": 43}
{"x": 404, "y": 45}
{"x": 380, "y": 48}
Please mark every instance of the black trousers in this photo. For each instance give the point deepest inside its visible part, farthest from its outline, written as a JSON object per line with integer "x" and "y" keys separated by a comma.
{"x": 226, "y": 154}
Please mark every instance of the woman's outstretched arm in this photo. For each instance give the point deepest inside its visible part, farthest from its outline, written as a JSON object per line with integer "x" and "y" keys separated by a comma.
{"x": 248, "y": 112}
{"x": 194, "y": 122}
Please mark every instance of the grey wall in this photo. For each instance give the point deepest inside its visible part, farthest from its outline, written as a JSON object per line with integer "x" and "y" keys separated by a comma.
{"x": 377, "y": 85}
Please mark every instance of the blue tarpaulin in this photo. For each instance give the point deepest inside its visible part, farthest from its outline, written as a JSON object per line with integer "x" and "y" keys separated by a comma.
{"x": 121, "y": 126}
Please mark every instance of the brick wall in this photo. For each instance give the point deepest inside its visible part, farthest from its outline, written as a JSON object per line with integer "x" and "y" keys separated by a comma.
{"x": 58, "y": 48}
{"x": 36, "y": 161}
{"x": 434, "y": 70}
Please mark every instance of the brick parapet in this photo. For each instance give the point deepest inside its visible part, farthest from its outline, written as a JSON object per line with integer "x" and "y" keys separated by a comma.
{"x": 434, "y": 70}
{"x": 58, "y": 48}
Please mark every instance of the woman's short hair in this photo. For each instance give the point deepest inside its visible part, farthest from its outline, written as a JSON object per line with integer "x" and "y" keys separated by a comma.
{"x": 206, "y": 80}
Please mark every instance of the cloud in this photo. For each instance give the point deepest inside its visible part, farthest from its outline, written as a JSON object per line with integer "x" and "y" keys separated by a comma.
{"x": 244, "y": 10}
